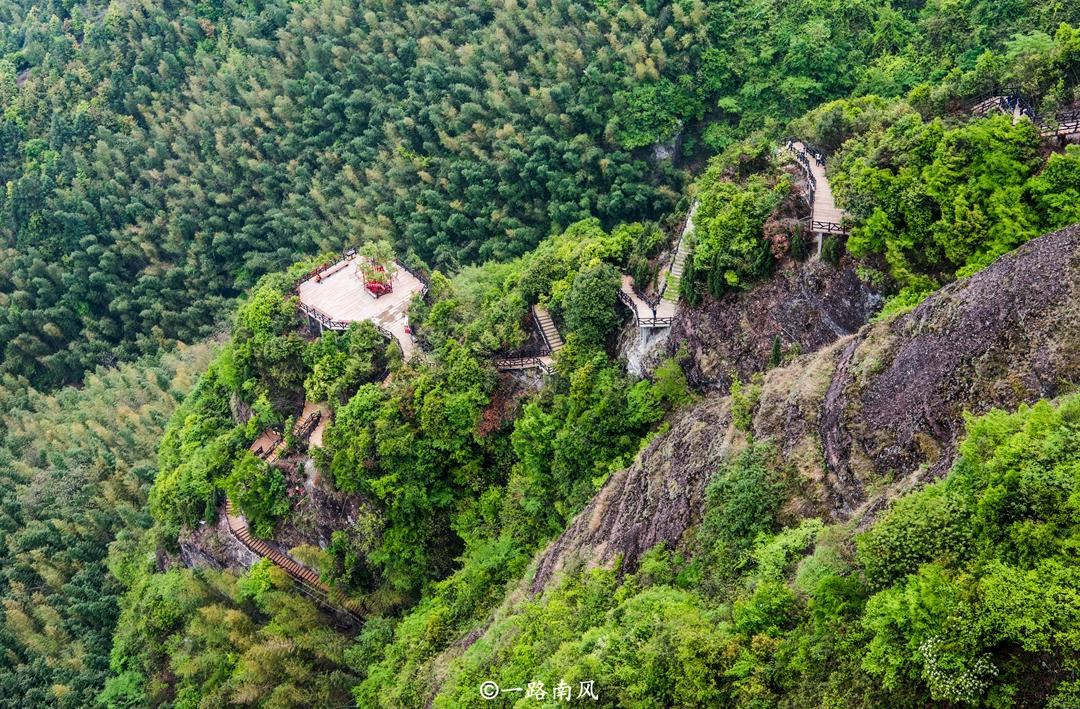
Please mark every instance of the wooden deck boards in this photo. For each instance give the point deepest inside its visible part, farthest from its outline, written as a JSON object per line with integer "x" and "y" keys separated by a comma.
{"x": 341, "y": 295}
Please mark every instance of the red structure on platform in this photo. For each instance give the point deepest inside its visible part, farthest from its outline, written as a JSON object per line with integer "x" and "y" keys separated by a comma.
{"x": 376, "y": 279}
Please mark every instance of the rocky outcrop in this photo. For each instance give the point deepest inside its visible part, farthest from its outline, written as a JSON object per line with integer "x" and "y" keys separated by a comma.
{"x": 807, "y": 305}
{"x": 211, "y": 546}
{"x": 317, "y": 512}
{"x": 654, "y": 500}
{"x": 1007, "y": 335}
{"x": 861, "y": 420}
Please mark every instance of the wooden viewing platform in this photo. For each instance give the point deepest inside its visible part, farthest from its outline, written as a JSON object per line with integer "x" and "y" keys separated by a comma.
{"x": 335, "y": 297}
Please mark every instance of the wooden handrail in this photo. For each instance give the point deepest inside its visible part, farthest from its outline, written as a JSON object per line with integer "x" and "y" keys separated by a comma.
{"x": 800, "y": 153}
{"x": 827, "y": 227}
{"x": 674, "y": 253}
{"x": 512, "y": 363}
{"x": 1060, "y": 124}
{"x": 418, "y": 276}
{"x": 303, "y": 576}
{"x": 324, "y": 319}
{"x": 629, "y": 302}
{"x": 303, "y": 429}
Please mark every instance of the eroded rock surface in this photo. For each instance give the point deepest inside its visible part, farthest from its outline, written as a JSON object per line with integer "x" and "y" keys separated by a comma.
{"x": 211, "y": 545}
{"x": 806, "y": 305}
{"x": 652, "y": 501}
{"x": 863, "y": 419}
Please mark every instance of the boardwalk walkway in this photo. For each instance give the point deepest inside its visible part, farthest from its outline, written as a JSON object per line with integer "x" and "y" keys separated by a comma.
{"x": 825, "y": 217}
{"x": 304, "y": 576}
{"x": 270, "y": 445}
{"x": 550, "y": 333}
{"x": 671, "y": 276}
{"x": 647, "y": 316}
{"x": 651, "y": 315}
{"x": 1060, "y": 125}
{"x": 544, "y": 363}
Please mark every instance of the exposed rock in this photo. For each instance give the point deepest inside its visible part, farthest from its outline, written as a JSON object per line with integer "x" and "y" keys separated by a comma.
{"x": 864, "y": 419}
{"x": 807, "y": 305}
{"x": 642, "y": 350}
{"x": 1007, "y": 335}
{"x": 241, "y": 411}
{"x": 318, "y": 509}
{"x": 661, "y": 152}
{"x": 654, "y": 500}
{"x": 213, "y": 546}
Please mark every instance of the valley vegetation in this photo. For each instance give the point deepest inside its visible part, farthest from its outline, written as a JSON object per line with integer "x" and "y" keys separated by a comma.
{"x": 156, "y": 160}
{"x": 170, "y": 171}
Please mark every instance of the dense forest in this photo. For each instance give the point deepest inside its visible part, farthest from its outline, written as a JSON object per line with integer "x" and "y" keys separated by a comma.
{"x": 171, "y": 170}
{"x": 158, "y": 158}
{"x": 75, "y": 469}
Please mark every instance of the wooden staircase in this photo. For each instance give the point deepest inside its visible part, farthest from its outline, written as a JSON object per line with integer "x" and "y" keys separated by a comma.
{"x": 303, "y": 575}
{"x": 547, "y": 328}
{"x": 552, "y": 341}
{"x": 669, "y": 291}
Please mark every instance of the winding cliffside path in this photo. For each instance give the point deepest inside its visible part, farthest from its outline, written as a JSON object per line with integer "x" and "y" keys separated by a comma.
{"x": 553, "y": 342}
{"x": 825, "y": 217}
{"x": 269, "y": 446}
{"x": 671, "y": 276}
{"x": 304, "y": 576}
{"x": 1060, "y": 125}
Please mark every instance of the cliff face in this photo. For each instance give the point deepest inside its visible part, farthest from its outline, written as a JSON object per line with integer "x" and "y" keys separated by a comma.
{"x": 864, "y": 419}
{"x": 1009, "y": 334}
{"x": 653, "y": 500}
{"x": 806, "y": 305}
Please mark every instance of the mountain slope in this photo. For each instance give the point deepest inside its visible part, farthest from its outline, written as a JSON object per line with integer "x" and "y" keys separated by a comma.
{"x": 874, "y": 413}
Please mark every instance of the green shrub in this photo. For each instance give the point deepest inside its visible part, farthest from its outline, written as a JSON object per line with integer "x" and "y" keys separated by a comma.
{"x": 744, "y": 400}
{"x": 741, "y": 503}
{"x": 258, "y": 490}
{"x": 591, "y": 306}
{"x": 831, "y": 250}
{"x": 917, "y": 529}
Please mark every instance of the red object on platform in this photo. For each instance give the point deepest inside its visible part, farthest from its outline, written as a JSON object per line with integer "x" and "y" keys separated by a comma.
{"x": 377, "y": 288}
